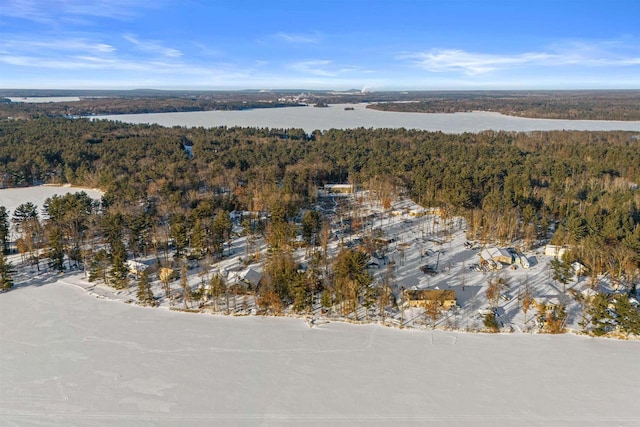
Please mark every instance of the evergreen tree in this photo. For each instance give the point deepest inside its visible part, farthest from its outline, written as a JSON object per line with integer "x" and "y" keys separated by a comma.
{"x": 27, "y": 223}
{"x": 119, "y": 270}
{"x": 4, "y": 230}
{"x": 184, "y": 284}
{"x": 562, "y": 270}
{"x": 178, "y": 232}
{"x": 6, "y": 273}
{"x": 326, "y": 299}
{"x": 628, "y": 316}
{"x": 490, "y": 322}
{"x": 55, "y": 241}
{"x": 198, "y": 238}
{"x": 351, "y": 277}
{"x": 598, "y": 320}
{"x": 311, "y": 225}
{"x": 221, "y": 231}
{"x": 144, "y": 294}
{"x": 215, "y": 289}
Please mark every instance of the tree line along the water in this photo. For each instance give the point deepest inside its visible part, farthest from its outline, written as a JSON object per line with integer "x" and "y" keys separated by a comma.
{"x": 512, "y": 188}
{"x": 578, "y": 105}
{"x": 572, "y": 105}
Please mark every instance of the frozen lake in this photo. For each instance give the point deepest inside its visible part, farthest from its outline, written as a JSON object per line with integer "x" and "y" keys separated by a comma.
{"x": 11, "y": 198}
{"x": 335, "y": 116}
{"x": 44, "y": 99}
{"x": 67, "y": 358}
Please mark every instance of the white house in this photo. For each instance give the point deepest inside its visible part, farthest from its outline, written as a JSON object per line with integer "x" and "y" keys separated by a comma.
{"x": 555, "y": 251}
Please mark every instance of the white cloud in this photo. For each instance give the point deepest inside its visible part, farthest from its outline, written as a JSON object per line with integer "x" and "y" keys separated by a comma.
{"x": 69, "y": 44}
{"x": 474, "y": 63}
{"x": 298, "y": 37}
{"x": 316, "y": 67}
{"x": 153, "y": 47}
{"x": 54, "y": 11}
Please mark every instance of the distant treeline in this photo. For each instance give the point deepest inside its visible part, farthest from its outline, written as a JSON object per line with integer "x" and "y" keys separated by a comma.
{"x": 548, "y": 105}
{"x": 103, "y": 106}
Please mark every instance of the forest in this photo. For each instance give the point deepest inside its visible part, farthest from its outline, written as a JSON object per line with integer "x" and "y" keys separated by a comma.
{"x": 570, "y": 105}
{"x": 177, "y": 186}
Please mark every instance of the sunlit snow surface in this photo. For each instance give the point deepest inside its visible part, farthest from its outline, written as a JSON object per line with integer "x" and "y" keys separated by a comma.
{"x": 68, "y": 358}
{"x": 311, "y": 118}
{"x": 11, "y": 198}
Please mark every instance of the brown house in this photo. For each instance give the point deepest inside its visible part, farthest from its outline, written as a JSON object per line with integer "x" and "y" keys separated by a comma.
{"x": 423, "y": 298}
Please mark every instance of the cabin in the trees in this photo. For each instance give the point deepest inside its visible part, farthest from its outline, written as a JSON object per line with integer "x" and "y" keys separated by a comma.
{"x": 338, "y": 188}
{"x": 497, "y": 255}
{"x": 136, "y": 267}
{"x": 444, "y": 298}
{"x": 555, "y": 251}
{"x": 249, "y": 277}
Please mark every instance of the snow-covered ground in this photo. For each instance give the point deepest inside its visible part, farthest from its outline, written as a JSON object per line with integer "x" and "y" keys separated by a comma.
{"x": 67, "y": 358}
{"x": 11, "y": 198}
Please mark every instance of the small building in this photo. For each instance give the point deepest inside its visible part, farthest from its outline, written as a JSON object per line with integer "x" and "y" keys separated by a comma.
{"x": 248, "y": 277}
{"x": 445, "y": 298}
{"x": 338, "y": 188}
{"x": 136, "y": 267}
{"x": 375, "y": 262}
{"x": 555, "y": 251}
{"x": 500, "y": 255}
{"x": 523, "y": 261}
{"x": 578, "y": 268}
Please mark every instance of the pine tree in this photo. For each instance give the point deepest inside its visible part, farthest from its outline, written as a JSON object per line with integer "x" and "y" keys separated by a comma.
{"x": 144, "y": 294}
{"x": 326, "y": 299}
{"x": 216, "y": 287}
{"x": 98, "y": 266}
{"x": 628, "y": 315}
{"x": 562, "y": 271}
{"x": 490, "y": 322}
{"x": 55, "y": 240}
{"x": 184, "y": 284}
{"x": 4, "y": 230}
{"x": 119, "y": 271}
{"x": 198, "y": 238}
{"x": 352, "y": 277}
{"x": 6, "y": 273}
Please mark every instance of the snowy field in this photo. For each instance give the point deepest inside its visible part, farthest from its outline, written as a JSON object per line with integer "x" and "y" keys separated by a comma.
{"x": 69, "y": 359}
{"x": 11, "y": 198}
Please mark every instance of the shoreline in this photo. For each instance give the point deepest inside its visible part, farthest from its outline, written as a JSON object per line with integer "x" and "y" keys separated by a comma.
{"x": 312, "y": 321}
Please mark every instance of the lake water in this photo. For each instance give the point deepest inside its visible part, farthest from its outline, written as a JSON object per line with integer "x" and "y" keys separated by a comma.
{"x": 335, "y": 116}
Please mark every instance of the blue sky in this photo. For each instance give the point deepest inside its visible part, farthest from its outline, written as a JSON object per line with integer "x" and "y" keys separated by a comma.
{"x": 330, "y": 44}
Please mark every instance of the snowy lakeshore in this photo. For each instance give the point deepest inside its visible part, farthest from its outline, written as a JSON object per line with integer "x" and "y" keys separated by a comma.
{"x": 74, "y": 352}
{"x": 71, "y": 359}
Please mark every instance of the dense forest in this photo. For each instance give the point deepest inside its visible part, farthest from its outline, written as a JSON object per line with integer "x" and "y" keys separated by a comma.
{"x": 590, "y": 105}
{"x": 93, "y": 106}
{"x": 512, "y": 188}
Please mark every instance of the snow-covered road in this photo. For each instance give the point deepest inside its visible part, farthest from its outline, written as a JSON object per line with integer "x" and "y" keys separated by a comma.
{"x": 67, "y": 358}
